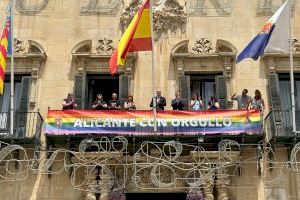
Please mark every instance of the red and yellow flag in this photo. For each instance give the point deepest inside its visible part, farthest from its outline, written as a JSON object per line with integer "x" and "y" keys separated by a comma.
{"x": 137, "y": 37}
{"x": 4, "y": 43}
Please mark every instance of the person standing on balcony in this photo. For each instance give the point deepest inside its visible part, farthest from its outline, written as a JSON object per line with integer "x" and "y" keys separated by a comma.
{"x": 177, "y": 103}
{"x": 257, "y": 102}
{"x": 129, "y": 103}
{"x": 69, "y": 103}
{"x": 99, "y": 103}
{"x": 196, "y": 102}
{"x": 114, "y": 104}
{"x": 160, "y": 101}
{"x": 243, "y": 100}
{"x": 213, "y": 104}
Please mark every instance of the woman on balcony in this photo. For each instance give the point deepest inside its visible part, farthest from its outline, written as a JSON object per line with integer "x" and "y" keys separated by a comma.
{"x": 213, "y": 104}
{"x": 99, "y": 103}
{"x": 257, "y": 102}
{"x": 129, "y": 103}
{"x": 196, "y": 102}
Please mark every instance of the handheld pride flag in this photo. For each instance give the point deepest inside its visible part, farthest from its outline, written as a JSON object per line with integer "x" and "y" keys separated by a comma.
{"x": 4, "y": 49}
{"x": 137, "y": 37}
{"x": 272, "y": 38}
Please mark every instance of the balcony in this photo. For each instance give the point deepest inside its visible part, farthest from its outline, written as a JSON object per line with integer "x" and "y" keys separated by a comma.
{"x": 278, "y": 124}
{"x": 27, "y": 125}
{"x": 141, "y": 123}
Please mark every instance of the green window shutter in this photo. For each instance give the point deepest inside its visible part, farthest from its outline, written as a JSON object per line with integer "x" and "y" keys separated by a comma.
{"x": 22, "y": 112}
{"x": 221, "y": 91}
{"x": 124, "y": 88}
{"x": 275, "y": 103}
{"x": 185, "y": 90}
{"x": 79, "y": 89}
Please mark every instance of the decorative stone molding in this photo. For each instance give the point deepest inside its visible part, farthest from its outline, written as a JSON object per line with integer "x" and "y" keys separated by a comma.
{"x": 103, "y": 7}
{"x": 24, "y": 9}
{"x": 104, "y": 46}
{"x": 296, "y": 45}
{"x": 80, "y": 66}
{"x": 269, "y": 7}
{"x": 169, "y": 16}
{"x": 19, "y": 46}
{"x": 228, "y": 66}
{"x": 94, "y": 57}
{"x": 209, "y": 8}
{"x": 202, "y": 46}
{"x": 222, "y": 184}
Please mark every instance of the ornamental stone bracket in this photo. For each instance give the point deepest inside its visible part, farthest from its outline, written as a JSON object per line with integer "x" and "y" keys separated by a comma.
{"x": 29, "y": 58}
{"x": 92, "y": 56}
{"x": 168, "y": 17}
{"x": 34, "y": 7}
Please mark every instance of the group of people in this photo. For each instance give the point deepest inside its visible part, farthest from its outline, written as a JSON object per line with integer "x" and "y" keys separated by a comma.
{"x": 99, "y": 104}
{"x": 244, "y": 102}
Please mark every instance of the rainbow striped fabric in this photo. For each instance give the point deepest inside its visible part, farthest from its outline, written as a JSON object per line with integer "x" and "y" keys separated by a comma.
{"x": 137, "y": 37}
{"x": 73, "y": 122}
{"x": 4, "y": 44}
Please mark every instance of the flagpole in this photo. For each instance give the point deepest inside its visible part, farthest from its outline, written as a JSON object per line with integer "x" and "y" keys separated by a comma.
{"x": 292, "y": 69}
{"x": 153, "y": 67}
{"x": 12, "y": 71}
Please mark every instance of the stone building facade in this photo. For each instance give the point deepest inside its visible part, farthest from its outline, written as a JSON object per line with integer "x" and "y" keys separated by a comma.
{"x": 64, "y": 46}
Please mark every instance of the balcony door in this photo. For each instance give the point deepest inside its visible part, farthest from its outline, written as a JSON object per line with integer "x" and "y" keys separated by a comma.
{"x": 285, "y": 96}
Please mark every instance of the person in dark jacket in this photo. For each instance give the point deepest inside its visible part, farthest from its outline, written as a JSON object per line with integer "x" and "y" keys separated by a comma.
{"x": 69, "y": 103}
{"x": 177, "y": 103}
{"x": 160, "y": 101}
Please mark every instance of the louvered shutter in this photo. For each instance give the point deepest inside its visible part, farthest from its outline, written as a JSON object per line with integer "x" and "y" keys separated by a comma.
{"x": 124, "y": 88}
{"x": 21, "y": 114}
{"x": 79, "y": 89}
{"x": 221, "y": 91}
{"x": 185, "y": 91}
{"x": 276, "y": 104}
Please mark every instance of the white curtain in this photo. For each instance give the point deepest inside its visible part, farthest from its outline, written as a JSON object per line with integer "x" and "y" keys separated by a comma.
{"x": 285, "y": 95}
{"x": 208, "y": 91}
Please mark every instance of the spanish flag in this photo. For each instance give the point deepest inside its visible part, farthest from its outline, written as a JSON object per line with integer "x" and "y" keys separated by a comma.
{"x": 137, "y": 37}
{"x": 4, "y": 50}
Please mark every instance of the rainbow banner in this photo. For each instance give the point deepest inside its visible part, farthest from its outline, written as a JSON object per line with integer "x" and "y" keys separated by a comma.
{"x": 72, "y": 122}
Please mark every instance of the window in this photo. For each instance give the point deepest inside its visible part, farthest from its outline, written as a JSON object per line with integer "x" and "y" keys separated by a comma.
{"x": 22, "y": 85}
{"x": 101, "y": 84}
{"x": 86, "y": 88}
{"x": 285, "y": 97}
{"x": 205, "y": 86}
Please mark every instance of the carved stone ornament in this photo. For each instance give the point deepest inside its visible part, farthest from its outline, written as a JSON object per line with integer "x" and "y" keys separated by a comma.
{"x": 209, "y": 8}
{"x": 100, "y": 7}
{"x": 202, "y": 46}
{"x": 25, "y": 9}
{"x": 269, "y": 7}
{"x": 169, "y": 16}
{"x": 104, "y": 46}
{"x": 296, "y": 45}
{"x": 19, "y": 46}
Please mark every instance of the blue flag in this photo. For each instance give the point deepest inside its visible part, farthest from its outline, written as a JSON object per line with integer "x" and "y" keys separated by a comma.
{"x": 273, "y": 36}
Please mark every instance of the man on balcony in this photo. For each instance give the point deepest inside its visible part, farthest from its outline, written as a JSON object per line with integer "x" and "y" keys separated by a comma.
{"x": 243, "y": 100}
{"x": 114, "y": 104}
{"x": 177, "y": 103}
{"x": 160, "y": 101}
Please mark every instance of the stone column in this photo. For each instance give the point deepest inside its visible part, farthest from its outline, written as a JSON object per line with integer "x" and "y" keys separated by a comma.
{"x": 208, "y": 187}
{"x": 222, "y": 184}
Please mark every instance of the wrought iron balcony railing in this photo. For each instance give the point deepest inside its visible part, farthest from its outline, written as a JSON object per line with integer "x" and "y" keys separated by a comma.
{"x": 278, "y": 123}
{"x": 26, "y": 125}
